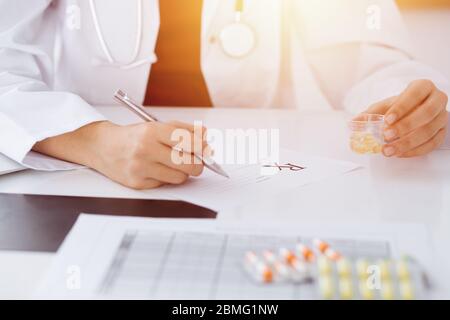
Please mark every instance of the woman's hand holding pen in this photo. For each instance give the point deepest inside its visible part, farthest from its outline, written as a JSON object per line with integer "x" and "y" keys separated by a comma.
{"x": 138, "y": 156}
{"x": 416, "y": 120}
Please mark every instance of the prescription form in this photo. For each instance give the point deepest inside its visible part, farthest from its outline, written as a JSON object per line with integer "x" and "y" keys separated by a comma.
{"x": 140, "y": 258}
{"x": 251, "y": 182}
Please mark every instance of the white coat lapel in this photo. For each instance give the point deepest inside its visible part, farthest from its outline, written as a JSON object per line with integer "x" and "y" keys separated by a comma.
{"x": 117, "y": 20}
{"x": 210, "y": 8}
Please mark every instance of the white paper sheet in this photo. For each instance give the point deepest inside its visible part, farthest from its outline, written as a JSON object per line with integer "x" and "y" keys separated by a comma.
{"x": 249, "y": 183}
{"x": 210, "y": 190}
{"x": 113, "y": 257}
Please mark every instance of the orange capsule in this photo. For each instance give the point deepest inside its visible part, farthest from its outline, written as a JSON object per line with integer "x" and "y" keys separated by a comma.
{"x": 305, "y": 252}
{"x": 288, "y": 256}
{"x": 270, "y": 257}
{"x": 263, "y": 273}
{"x": 322, "y": 246}
{"x": 257, "y": 269}
{"x": 282, "y": 270}
{"x": 332, "y": 255}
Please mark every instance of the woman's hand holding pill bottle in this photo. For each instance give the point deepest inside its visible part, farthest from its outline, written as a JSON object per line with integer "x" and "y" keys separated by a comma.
{"x": 415, "y": 121}
{"x": 366, "y": 136}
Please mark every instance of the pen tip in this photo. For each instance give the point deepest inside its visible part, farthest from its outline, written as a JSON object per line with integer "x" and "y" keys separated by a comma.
{"x": 210, "y": 164}
{"x": 223, "y": 173}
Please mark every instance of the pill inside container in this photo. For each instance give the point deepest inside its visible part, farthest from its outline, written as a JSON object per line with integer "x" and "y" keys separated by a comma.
{"x": 366, "y": 134}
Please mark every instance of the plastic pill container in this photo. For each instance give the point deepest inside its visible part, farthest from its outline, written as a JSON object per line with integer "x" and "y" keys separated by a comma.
{"x": 366, "y": 134}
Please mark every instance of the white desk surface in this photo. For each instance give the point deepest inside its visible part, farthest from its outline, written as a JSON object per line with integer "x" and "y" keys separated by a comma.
{"x": 384, "y": 191}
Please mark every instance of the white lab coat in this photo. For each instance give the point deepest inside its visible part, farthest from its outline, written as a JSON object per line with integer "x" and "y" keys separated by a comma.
{"x": 52, "y": 66}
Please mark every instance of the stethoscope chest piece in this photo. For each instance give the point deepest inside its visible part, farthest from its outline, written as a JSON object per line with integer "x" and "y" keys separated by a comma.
{"x": 237, "y": 39}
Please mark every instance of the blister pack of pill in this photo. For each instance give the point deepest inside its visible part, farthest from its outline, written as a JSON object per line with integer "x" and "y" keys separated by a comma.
{"x": 323, "y": 273}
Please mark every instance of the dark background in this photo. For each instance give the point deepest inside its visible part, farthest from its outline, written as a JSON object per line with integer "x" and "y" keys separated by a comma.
{"x": 40, "y": 223}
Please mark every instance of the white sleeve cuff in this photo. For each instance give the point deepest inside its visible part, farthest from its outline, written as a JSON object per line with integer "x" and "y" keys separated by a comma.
{"x": 28, "y": 118}
{"x": 391, "y": 81}
{"x": 37, "y": 161}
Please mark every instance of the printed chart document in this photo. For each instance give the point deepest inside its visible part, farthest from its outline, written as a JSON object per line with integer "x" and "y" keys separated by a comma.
{"x": 249, "y": 183}
{"x": 113, "y": 257}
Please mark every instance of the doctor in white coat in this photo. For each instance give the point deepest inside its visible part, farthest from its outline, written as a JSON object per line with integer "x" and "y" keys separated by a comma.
{"x": 59, "y": 58}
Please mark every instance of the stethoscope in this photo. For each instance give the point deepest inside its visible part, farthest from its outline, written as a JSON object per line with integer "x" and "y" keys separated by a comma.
{"x": 237, "y": 39}
{"x": 111, "y": 61}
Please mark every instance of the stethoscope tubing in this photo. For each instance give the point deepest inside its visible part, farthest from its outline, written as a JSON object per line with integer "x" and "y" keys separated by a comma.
{"x": 105, "y": 48}
{"x": 134, "y": 62}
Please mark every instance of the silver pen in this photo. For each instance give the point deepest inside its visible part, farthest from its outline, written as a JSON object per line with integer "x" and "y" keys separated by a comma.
{"x": 140, "y": 111}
